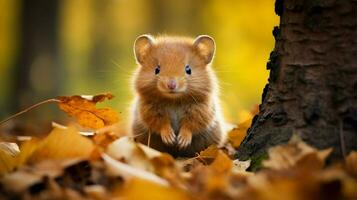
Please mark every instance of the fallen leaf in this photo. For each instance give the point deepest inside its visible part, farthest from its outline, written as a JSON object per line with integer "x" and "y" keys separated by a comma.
{"x": 209, "y": 154}
{"x": 222, "y": 163}
{"x": 214, "y": 178}
{"x": 96, "y": 192}
{"x": 20, "y": 180}
{"x": 143, "y": 189}
{"x": 241, "y": 166}
{"x": 9, "y": 147}
{"x": 351, "y": 163}
{"x": 7, "y": 162}
{"x": 104, "y": 139}
{"x": 26, "y": 150}
{"x": 84, "y": 133}
{"x": 236, "y": 135}
{"x": 128, "y": 151}
{"x": 84, "y": 109}
{"x": 26, "y": 176}
{"x": 296, "y": 153}
{"x": 116, "y": 168}
{"x": 62, "y": 144}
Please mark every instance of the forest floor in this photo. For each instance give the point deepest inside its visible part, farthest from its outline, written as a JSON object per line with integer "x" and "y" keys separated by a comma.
{"x": 69, "y": 163}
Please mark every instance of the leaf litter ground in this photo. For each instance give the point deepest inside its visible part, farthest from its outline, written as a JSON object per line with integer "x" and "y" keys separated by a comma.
{"x": 70, "y": 164}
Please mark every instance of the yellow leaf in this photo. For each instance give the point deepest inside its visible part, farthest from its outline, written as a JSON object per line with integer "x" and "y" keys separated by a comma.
{"x": 62, "y": 144}
{"x": 10, "y": 148}
{"x": 7, "y": 162}
{"x": 141, "y": 189}
{"x": 26, "y": 150}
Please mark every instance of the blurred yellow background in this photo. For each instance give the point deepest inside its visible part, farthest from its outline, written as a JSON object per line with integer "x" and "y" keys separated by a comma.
{"x": 52, "y": 48}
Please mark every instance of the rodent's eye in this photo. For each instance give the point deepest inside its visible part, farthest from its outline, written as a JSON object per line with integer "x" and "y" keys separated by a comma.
{"x": 157, "y": 70}
{"x": 188, "y": 70}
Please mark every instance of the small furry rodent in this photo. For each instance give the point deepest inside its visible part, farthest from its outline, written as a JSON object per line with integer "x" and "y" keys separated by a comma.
{"x": 176, "y": 95}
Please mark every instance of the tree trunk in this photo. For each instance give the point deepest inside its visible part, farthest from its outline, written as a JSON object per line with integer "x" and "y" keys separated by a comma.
{"x": 312, "y": 89}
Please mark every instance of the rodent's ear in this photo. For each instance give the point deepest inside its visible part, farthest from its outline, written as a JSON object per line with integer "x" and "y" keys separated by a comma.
{"x": 206, "y": 47}
{"x": 141, "y": 46}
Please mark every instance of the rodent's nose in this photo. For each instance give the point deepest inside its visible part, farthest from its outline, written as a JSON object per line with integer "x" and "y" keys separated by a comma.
{"x": 171, "y": 84}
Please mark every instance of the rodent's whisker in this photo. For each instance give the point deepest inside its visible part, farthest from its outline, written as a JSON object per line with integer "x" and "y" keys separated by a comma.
{"x": 224, "y": 83}
{"x": 219, "y": 71}
{"x": 134, "y": 136}
{"x": 120, "y": 67}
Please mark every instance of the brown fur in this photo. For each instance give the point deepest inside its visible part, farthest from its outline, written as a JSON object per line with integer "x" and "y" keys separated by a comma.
{"x": 187, "y": 121}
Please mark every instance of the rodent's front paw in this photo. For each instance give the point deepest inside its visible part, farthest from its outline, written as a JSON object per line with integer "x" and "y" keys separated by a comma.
{"x": 168, "y": 136}
{"x": 184, "y": 138}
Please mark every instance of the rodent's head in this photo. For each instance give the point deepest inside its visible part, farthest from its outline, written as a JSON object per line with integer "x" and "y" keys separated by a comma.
{"x": 174, "y": 67}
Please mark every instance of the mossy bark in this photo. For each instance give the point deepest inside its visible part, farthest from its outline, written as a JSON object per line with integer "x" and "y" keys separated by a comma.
{"x": 312, "y": 88}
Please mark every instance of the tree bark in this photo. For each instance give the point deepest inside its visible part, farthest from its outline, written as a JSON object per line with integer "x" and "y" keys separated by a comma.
{"x": 312, "y": 86}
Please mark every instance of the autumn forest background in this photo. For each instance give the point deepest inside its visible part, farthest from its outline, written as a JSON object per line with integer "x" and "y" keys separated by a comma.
{"x": 52, "y": 48}
{"x": 295, "y": 59}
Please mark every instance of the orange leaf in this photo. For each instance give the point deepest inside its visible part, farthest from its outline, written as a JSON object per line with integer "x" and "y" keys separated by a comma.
{"x": 104, "y": 139}
{"x": 83, "y": 108}
{"x": 236, "y": 135}
{"x": 222, "y": 163}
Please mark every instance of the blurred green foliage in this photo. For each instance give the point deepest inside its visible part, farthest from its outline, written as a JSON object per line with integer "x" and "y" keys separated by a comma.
{"x": 95, "y": 39}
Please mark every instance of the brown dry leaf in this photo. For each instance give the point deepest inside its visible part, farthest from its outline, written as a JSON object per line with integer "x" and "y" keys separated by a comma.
{"x": 208, "y": 155}
{"x": 18, "y": 181}
{"x": 296, "y": 153}
{"x": 26, "y": 176}
{"x": 83, "y": 108}
{"x": 166, "y": 167}
{"x": 62, "y": 144}
{"x": 213, "y": 177}
{"x": 210, "y": 152}
{"x": 283, "y": 188}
